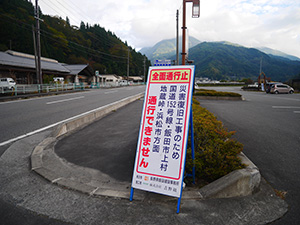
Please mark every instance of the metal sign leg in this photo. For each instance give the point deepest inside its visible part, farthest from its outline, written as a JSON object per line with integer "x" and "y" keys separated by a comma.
{"x": 131, "y": 194}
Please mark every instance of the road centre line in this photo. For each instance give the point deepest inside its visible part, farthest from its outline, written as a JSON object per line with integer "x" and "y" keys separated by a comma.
{"x": 64, "y": 100}
{"x": 296, "y": 111}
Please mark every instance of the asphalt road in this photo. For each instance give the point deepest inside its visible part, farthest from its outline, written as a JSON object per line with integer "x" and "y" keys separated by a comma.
{"x": 269, "y": 127}
{"x": 24, "y": 116}
{"x": 21, "y": 117}
{"x": 227, "y": 108}
{"x": 107, "y": 145}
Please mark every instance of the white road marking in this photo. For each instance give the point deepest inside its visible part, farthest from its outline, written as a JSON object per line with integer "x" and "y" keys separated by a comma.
{"x": 286, "y": 107}
{"x": 38, "y": 98}
{"x": 64, "y": 100}
{"x": 296, "y": 111}
{"x": 55, "y": 124}
{"x": 108, "y": 92}
{"x": 283, "y": 98}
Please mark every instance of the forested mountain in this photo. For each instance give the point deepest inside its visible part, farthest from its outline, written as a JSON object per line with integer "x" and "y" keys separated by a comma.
{"x": 166, "y": 48}
{"x": 92, "y": 44}
{"x": 223, "y": 60}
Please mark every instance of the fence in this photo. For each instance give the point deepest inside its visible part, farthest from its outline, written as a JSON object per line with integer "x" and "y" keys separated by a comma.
{"x": 54, "y": 88}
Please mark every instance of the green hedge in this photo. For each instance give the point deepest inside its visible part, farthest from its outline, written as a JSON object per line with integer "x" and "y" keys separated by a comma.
{"x": 205, "y": 92}
{"x": 215, "y": 150}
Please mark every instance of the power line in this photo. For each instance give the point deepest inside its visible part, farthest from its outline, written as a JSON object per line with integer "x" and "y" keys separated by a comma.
{"x": 46, "y": 34}
{"x": 81, "y": 50}
{"x": 77, "y": 8}
{"x": 103, "y": 53}
{"x": 108, "y": 43}
{"x": 59, "y": 12}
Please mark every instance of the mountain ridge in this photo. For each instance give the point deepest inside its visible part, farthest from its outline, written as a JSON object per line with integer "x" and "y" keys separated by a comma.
{"x": 225, "y": 60}
{"x": 165, "y": 48}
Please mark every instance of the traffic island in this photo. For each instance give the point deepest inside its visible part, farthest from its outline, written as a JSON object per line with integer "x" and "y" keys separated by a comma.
{"x": 45, "y": 162}
{"x": 241, "y": 197}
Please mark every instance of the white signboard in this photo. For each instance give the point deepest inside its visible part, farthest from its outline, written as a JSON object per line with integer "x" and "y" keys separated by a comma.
{"x": 161, "y": 149}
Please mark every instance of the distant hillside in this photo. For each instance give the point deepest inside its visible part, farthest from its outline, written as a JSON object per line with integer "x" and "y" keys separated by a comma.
{"x": 165, "y": 49}
{"x": 277, "y": 53}
{"x": 91, "y": 44}
{"x": 223, "y": 60}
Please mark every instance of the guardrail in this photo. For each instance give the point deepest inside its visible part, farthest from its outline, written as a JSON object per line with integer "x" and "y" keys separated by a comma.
{"x": 48, "y": 88}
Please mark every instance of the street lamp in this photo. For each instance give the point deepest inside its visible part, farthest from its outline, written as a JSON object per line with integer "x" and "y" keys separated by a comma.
{"x": 195, "y": 14}
{"x": 196, "y": 8}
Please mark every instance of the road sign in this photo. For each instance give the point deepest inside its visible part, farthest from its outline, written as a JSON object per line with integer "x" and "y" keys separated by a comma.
{"x": 162, "y": 62}
{"x": 161, "y": 150}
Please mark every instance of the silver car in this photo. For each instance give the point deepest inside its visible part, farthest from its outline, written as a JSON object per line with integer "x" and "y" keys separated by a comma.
{"x": 281, "y": 88}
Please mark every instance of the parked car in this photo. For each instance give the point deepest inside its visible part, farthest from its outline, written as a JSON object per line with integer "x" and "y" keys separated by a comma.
{"x": 269, "y": 86}
{"x": 281, "y": 88}
{"x": 7, "y": 83}
{"x": 255, "y": 85}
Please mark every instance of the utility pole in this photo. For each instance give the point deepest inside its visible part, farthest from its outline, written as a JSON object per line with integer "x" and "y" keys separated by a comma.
{"x": 183, "y": 32}
{"x": 128, "y": 67}
{"x": 260, "y": 68}
{"x": 38, "y": 44}
{"x": 144, "y": 69}
{"x": 35, "y": 54}
{"x": 177, "y": 38}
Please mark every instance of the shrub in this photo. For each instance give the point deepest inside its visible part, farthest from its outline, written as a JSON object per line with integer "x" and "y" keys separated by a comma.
{"x": 205, "y": 92}
{"x": 215, "y": 150}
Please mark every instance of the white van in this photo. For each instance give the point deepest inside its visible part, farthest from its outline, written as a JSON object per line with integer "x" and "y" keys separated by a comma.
{"x": 7, "y": 83}
{"x": 58, "y": 79}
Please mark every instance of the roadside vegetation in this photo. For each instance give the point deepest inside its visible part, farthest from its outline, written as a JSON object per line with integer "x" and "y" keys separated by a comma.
{"x": 222, "y": 84}
{"x": 216, "y": 152}
{"x": 205, "y": 92}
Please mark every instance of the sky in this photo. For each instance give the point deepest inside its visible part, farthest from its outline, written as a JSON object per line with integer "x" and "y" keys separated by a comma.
{"x": 252, "y": 23}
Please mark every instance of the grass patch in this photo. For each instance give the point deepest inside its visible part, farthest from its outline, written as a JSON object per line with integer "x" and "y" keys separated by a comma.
{"x": 205, "y": 92}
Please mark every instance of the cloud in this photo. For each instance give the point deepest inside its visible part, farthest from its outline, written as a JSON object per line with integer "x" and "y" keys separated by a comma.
{"x": 253, "y": 23}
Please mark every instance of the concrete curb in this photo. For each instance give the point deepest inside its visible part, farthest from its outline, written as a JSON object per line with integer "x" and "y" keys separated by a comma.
{"x": 46, "y": 163}
{"x": 241, "y": 182}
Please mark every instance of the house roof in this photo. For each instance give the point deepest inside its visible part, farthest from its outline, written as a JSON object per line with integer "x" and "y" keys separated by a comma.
{"x": 17, "y": 59}
{"x": 109, "y": 75}
{"x": 136, "y": 78}
{"x": 27, "y": 61}
{"x": 76, "y": 69}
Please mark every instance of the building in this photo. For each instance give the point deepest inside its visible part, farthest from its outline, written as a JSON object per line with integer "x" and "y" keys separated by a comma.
{"x": 109, "y": 79}
{"x": 21, "y": 67}
{"x": 135, "y": 79}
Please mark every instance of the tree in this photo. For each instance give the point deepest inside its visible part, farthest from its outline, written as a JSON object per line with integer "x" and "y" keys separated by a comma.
{"x": 68, "y": 21}
{"x": 88, "y": 44}
{"x": 82, "y": 26}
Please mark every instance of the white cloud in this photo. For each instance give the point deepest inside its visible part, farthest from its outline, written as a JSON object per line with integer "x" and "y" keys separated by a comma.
{"x": 253, "y": 23}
